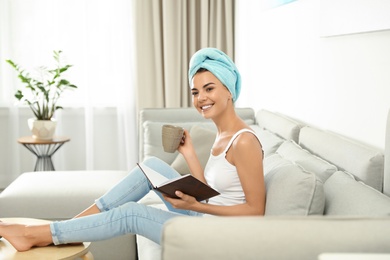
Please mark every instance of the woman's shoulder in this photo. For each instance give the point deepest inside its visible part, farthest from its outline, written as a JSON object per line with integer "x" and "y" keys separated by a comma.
{"x": 246, "y": 138}
{"x": 244, "y": 130}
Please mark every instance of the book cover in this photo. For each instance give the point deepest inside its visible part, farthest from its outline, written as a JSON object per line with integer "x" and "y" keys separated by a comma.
{"x": 187, "y": 184}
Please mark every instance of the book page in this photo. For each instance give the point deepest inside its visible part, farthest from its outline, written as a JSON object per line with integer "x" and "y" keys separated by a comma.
{"x": 155, "y": 178}
{"x": 173, "y": 180}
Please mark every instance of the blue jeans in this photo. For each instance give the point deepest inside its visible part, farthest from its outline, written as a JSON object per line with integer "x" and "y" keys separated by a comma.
{"x": 120, "y": 213}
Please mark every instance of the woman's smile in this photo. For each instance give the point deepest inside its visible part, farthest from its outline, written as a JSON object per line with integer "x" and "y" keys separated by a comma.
{"x": 205, "y": 107}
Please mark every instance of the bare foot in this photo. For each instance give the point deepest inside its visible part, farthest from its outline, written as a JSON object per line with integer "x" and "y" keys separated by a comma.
{"x": 14, "y": 233}
{"x": 23, "y": 237}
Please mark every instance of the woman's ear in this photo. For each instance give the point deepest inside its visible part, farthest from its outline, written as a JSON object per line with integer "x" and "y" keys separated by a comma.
{"x": 229, "y": 93}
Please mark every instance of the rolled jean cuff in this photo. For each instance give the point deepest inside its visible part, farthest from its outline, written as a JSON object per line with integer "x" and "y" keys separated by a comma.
{"x": 100, "y": 205}
{"x": 53, "y": 233}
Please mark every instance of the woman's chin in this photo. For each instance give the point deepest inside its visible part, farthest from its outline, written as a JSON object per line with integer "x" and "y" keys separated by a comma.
{"x": 205, "y": 114}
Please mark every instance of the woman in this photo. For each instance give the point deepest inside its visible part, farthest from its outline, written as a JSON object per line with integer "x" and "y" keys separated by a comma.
{"x": 235, "y": 169}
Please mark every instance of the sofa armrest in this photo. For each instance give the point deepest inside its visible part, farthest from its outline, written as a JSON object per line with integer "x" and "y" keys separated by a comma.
{"x": 272, "y": 237}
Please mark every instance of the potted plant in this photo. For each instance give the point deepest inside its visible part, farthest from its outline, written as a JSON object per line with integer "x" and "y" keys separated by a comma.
{"x": 42, "y": 93}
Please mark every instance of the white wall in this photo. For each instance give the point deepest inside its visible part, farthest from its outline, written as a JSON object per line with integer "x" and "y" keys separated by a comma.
{"x": 339, "y": 83}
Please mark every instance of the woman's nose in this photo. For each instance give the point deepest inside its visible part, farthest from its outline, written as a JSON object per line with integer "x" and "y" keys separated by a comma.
{"x": 201, "y": 96}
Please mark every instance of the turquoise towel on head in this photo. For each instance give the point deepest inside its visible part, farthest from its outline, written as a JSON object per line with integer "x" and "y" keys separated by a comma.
{"x": 222, "y": 67}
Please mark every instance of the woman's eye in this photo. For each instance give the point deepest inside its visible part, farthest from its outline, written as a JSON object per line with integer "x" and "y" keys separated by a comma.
{"x": 194, "y": 93}
{"x": 209, "y": 89}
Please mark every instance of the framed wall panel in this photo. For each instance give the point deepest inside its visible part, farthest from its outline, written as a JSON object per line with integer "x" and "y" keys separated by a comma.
{"x": 340, "y": 17}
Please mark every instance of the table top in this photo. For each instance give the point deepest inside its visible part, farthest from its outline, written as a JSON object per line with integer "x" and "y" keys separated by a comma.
{"x": 7, "y": 251}
{"x": 32, "y": 140}
{"x": 353, "y": 256}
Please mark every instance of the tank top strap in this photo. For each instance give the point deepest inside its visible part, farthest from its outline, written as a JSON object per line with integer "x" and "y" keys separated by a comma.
{"x": 235, "y": 136}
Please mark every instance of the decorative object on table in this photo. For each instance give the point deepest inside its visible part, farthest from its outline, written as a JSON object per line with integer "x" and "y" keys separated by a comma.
{"x": 42, "y": 93}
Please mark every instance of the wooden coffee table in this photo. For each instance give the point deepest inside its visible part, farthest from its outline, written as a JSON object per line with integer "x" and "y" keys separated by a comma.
{"x": 64, "y": 252}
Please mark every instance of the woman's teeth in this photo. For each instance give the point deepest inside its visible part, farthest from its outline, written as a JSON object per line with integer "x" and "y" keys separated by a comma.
{"x": 205, "y": 107}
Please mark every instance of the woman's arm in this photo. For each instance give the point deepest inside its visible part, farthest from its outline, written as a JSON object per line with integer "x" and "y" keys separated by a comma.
{"x": 247, "y": 155}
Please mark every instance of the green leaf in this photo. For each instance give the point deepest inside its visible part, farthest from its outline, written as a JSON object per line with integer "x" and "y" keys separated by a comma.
{"x": 63, "y": 82}
{"x": 63, "y": 69}
{"x": 19, "y": 95}
{"x": 14, "y": 65}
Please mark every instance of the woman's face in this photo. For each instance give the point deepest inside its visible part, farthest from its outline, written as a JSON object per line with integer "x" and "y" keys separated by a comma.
{"x": 209, "y": 96}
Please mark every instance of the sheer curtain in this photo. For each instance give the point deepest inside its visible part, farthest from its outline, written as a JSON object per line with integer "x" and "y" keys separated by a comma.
{"x": 167, "y": 34}
{"x": 100, "y": 116}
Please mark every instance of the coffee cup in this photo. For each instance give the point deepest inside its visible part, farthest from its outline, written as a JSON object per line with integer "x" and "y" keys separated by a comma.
{"x": 171, "y": 137}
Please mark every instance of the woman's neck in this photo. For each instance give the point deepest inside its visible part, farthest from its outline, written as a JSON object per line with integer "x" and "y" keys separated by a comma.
{"x": 228, "y": 123}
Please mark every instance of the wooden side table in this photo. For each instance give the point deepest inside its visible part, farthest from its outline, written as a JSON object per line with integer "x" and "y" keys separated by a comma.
{"x": 43, "y": 149}
{"x": 64, "y": 252}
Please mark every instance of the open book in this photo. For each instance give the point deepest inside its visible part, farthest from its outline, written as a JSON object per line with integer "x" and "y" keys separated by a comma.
{"x": 187, "y": 184}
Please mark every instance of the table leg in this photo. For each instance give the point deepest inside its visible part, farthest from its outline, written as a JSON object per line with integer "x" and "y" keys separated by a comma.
{"x": 43, "y": 153}
{"x": 44, "y": 163}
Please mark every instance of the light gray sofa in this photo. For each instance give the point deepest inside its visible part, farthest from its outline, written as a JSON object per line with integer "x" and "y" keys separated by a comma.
{"x": 324, "y": 195}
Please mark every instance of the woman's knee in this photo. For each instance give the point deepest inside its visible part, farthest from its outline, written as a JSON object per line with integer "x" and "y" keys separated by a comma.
{"x": 161, "y": 167}
{"x": 154, "y": 161}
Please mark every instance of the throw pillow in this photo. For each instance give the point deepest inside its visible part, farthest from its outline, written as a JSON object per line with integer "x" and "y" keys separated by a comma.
{"x": 346, "y": 196}
{"x": 291, "y": 151}
{"x": 293, "y": 191}
{"x": 273, "y": 161}
{"x": 202, "y": 140}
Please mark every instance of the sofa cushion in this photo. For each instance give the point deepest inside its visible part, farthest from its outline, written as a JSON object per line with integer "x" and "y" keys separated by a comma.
{"x": 292, "y": 151}
{"x": 269, "y": 141}
{"x": 346, "y": 196}
{"x": 273, "y": 161}
{"x": 281, "y": 125}
{"x": 274, "y": 238}
{"x": 203, "y": 140}
{"x": 365, "y": 162}
{"x": 293, "y": 191}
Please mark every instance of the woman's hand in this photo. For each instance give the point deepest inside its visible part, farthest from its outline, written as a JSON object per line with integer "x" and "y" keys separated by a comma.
{"x": 186, "y": 148}
{"x": 186, "y": 145}
{"x": 185, "y": 201}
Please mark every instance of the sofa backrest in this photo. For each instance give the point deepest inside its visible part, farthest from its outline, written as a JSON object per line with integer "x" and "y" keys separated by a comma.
{"x": 344, "y": 166}
{"x": 386, "y": 177}
{"x": 362, "y": 161}
{"x": 281, "y": 125}
{"x": 151, "y": 120}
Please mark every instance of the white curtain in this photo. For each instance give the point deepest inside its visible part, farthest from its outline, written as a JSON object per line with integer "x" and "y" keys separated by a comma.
{"x": 100, "y": 116}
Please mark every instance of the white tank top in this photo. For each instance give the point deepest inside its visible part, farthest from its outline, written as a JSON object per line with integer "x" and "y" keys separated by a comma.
{"x": 223, "y": 176}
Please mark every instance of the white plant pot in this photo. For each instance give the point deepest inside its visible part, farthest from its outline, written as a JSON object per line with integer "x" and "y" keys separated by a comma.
{"x": 42, "y": 129}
